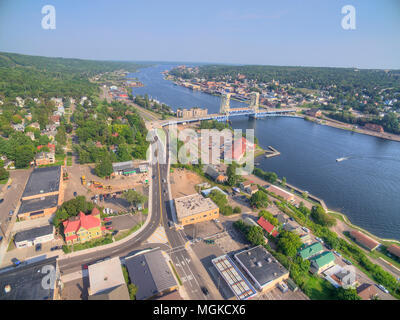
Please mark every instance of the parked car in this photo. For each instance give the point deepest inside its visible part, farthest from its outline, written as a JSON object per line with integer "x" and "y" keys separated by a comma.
{"x": 109, "y": 223}
{"x": 305, "y": 229}
{"x": 1, "y": 238}
{"x": 319, "y": 239}
{"x": 107, "y": 219}
{"x": 1, "y": 200}
{"x": 382, "y": 288}
{"x": 16, "y": 262}
{"x": 205, "y": 291}
{"x": 85, "y": 266}
{"x": 75, "y": 193}
{"x": 38, "y": 247}
{"x": 109, "y": 228}
{"x": 347, "y": 261}
{"x": 11, "y": 212}
{"x": 114, "y": 232}
{"x": 337, "y": 253}
{"x": 9, "y": 186}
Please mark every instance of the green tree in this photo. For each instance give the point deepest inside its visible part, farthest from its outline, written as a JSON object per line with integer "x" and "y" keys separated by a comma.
{"x": 347, "y": 294}
{"x": 104, "y": 168}
{"x": 255, "y": 235}
{"x": 259, "y": 199}
{"x": 134, "y": 197}
{"x": 23, "y": 156}
{"x": 4, "y": 174}
{"x": 289, "y": 243}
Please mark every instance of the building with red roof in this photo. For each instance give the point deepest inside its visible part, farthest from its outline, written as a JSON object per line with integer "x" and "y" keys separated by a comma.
{"x": 363, "y": 240}
{"x": 394, "y": 249}
{"x": 83, "y": 227}
{"x": 268, "y": 226}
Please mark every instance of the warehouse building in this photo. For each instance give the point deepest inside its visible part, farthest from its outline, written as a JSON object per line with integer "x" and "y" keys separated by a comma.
{"x": 31, "y": 237}
{"x": 363, "y": 240}
{"x": 261, "y": 266}
{"x": 43, "y": 193}
{"x": 34, "y": 281}
{"x": 195, "y": 208}
{"x": 236, "y": 281}
{"x": 150, "y": 273}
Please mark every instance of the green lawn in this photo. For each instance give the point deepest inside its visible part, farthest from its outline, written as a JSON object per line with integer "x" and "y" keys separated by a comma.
{"x": 318, "y": 289}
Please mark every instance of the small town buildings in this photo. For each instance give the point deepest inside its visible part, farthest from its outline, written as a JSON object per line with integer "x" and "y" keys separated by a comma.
{"x": 234, "y": 278}
{"x": 245, "y": 185}
{"x": 268, "y": 227}
{"x": 206, "y": 192}
{"x": 18, "y": 127}
{"x": 374, "y": 127}
{"x": 367, "y": 291}
{"x": 311, "y": 250}
{"x": 395, "y": 250}
{"x": 195, "y": 208}
{"x": 107, "y": 281}
{"x": 287, "y": 196}
{"x": 261, "y": 266}
{"x": 340, "y": 277}
{"x": 31, "y": 237}
{"x": 43, "y": 193}
{"x": 305, "y": 238}
{"x": 45, "y": 158}
{"x": 314, "y": 112}
{"x": 35, "y": 125}
{"x": 26, "y": 283}
{"x": 31, "y": 135}
{"x": 322, "y": 262}
{"x": 151, "y": 274}
{"x": 363, "y": 240}
{"x": 191, "y": 113}
{"x": 83, "y": 227}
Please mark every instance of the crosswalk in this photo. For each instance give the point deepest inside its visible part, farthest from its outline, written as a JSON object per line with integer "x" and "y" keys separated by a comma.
{"x": 159, "y": 236}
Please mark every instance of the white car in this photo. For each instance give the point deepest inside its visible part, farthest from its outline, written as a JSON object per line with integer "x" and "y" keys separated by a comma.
{"x": 337, "y": 253}
{"x": 305, "y": 229}
{"x": 382, "y": 288}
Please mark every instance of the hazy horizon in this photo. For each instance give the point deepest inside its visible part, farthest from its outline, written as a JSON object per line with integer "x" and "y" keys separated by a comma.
{"x": 288, "y": 33}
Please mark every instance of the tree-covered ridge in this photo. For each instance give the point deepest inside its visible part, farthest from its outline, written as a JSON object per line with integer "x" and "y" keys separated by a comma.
{"x": 34, "y": 76}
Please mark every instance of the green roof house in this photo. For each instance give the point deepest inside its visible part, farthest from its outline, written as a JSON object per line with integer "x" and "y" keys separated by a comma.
{"x": 311, "y": 250}
{"x": 322, "y": 262}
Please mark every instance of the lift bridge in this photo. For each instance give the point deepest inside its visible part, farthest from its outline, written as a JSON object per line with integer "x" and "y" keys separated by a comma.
{"x": 226, "y": 112}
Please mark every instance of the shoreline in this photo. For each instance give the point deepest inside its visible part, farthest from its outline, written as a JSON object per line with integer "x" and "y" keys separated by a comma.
{"x": 345, "y": 218}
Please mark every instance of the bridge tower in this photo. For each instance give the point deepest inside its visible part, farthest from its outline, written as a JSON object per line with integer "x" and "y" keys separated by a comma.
{"x": 225, "y": 103}
{"x": 254, "y": 101}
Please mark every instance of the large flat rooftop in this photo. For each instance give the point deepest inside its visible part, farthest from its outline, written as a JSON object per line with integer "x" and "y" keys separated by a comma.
{"x": 260, "y": 265}
{"x": 38, "y": 204}
{"x": 193, "y": 204}
{"x": 150, "y": 273}
{"x": 26, "y": 282}
{"x": 42, "y": 181}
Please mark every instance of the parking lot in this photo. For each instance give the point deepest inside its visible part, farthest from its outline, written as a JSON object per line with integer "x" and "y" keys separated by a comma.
{"x": 26, "y": 253}
{"x": 11, "y": 194}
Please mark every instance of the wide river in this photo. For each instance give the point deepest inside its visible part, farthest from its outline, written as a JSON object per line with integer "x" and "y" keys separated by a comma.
{"x": 365, "y": 187}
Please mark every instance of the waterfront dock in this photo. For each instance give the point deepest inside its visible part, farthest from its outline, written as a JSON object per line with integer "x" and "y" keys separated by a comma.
{"x": 272, "y": 152}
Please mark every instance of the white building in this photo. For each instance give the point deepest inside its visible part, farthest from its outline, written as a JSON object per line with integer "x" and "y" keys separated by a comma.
{"x": 31, "y": 237}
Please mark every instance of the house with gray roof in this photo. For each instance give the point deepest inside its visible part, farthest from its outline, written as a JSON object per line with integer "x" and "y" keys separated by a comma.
{"x": 151, "y": 274}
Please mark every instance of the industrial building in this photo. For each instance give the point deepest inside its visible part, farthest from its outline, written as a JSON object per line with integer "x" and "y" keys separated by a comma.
{"x": 236, "y": 281}
{"x": 31, "y": 237}
{"x": 261, "y": 266}
{"x": 43, "y": 193}
{"x": 195, "y": 208}
{"x": 150, "y": 273}
{"x": 128, "y": 168}
{"x": 35, "y": 281}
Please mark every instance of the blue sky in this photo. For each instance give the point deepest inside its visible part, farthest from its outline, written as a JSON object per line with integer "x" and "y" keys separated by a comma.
{"x": 304, "y": 32}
